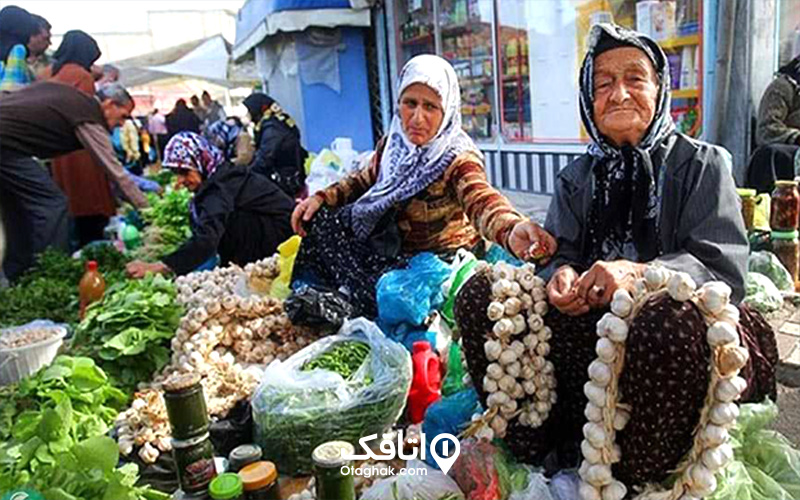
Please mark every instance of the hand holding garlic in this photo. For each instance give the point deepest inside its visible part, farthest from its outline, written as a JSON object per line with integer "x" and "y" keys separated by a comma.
{"x": 597, "y": 285}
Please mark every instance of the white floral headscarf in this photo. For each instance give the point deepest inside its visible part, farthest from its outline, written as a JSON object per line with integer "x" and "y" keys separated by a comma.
{"x": 406, "y": 169}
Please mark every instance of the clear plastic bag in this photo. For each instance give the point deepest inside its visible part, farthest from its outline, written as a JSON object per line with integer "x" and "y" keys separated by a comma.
{"x": 431, "y": 486}
{"x": 295, "y": 411}
{"x": 408, "y": 295}
{"x": 766, "y": 466}
{"x": 762, "y": 294}
{"x": 769, "y": 265}
{"x": 535, "y": 488}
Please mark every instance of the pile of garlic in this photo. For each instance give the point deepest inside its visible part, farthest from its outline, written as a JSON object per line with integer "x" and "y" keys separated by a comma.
{"x": 519, "y": 381}
{"x": 202, "y": 287}
{"x": 144, "y": 424}
{"x": 711, "y": 450}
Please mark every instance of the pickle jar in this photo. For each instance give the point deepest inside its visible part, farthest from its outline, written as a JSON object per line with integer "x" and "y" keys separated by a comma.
{"x": 786, "y": 247}
{"x": 186, "y": 406}
{"x": 785, "y": 206}
{"x": 748, "y": 197}
{"x": 332, "y": 478}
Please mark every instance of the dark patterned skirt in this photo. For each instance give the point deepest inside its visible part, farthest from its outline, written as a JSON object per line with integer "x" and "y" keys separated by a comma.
{"x": 665, "y": 380}
{"x": 331, "y": 255}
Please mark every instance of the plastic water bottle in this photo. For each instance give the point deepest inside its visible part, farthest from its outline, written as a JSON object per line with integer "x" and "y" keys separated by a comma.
{"x": 426, "y": 386}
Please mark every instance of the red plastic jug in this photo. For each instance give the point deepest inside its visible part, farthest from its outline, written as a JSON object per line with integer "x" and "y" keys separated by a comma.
{"x": 426, "y": 387}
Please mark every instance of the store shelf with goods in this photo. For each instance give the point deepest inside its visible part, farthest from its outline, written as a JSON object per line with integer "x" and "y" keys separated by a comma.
{"x": 419, "y": 40}
{"x": 680, "y": 42}
{"x": 686, "y": 94}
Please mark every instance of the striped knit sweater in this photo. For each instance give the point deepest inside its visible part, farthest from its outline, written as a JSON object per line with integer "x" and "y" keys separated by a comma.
{"x": 438, "y": 218}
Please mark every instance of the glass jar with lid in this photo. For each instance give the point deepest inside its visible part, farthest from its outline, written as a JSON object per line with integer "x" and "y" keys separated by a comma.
{"x": 786, "y": 247}
{"x": 260, "y": 481}
{"x": 785, "y": 206}
{"x": 748, "y": 197}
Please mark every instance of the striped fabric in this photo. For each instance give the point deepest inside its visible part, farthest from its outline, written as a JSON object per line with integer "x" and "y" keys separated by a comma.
{"x": 438, "y": 219}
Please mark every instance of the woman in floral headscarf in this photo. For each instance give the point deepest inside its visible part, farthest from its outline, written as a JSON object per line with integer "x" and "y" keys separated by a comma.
{"x": 239, "y": 215}
{"x": 424, "y": 189}
{"x": 642, "y": 194}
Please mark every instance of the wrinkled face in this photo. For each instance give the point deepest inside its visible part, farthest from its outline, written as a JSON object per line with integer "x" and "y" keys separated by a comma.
{"x": 114, "y": 113}
{"x": 625, "y": 94}
{"x": 421, "y": 113}
{"x": 190, "y": 179}
{"x": 39, "y": 42}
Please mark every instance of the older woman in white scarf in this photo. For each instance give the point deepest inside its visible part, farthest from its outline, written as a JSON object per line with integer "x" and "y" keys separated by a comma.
{"x": 425, "y": 189}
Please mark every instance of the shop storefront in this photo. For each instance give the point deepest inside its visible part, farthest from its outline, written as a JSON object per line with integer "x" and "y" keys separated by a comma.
{"x": 788, "y": 30}
{"x": 518, "y": 62}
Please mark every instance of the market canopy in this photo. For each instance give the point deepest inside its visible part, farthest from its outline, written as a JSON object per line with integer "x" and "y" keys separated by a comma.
{"x": 204, "y": 59}
{"x": 259, "y": 19}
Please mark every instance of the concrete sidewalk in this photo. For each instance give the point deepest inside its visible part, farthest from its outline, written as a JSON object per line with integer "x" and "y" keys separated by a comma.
{"x": 533, "y": 205}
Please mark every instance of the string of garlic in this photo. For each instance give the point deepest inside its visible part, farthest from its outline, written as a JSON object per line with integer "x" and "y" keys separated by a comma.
{"x": 606, "y": 415}
{"x": 519, "y": 381}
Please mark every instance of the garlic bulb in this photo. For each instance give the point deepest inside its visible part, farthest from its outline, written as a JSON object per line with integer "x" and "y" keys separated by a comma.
{"x": 639, "y": 288}
{"x": 501, "y": 288}
{"x": 508, "y": 356}
{"x": 543, "y": 349}
{"x": 731, "y": 359}
{"x": 497, "y": 399}
{"x": 545, "y": 334}
{"x": 729, "y": 390}
{"x": 499, "y": 425}
{"x": 606, "y": 351}
{"x": 614, "y": 491}
{"x": 527, "y": 372}
{"x": 529, "y": 387}
{"x": 494, "y": 371}
{"x": 495, "y": 311}
{"x": 715, "y": 296}
{"x": 681, "y": 286}
{"x": 600, "y": 373}
{"x": 527, "y": 301}
{"x": 717, "y": 458}
{"x": 512, "y": 306}
{"x": 621, "y": 419}
{"x": 535, "y": 322}
{"x": 703, "y": 481}
{"x": 548, "y": 367}
{"x": 714, "y": 435}
{"x": 595, "y": 393}
{"x": 530, "y": 341}
{"x": 593, "y": 413}
{"x": 514, "y": 369}
{"x": 489, "y": 385}
{"x": 503, "y": 328}
{"x": 590, "y": 453}
{"x": 519, "y": 324}
{"x": 540, "y": 308}
{"x": 493, "y": 349}
{"x": 724, "y": 413}
{"x": 588, "y": 492}
{"x": 543, "y": 407}
{"x": 722, "y": 333}
{"x": 730, "y": 314}
{"x": 613, "y": 327}
{"x": 509, "y": 408}
{"x": 503, "y": 271}
{"x": 507, "y": 383}
{"x": 599, "y": 475}
{"x": 539, "y": 363}
{"x": 622, "y": 303}
{"x": 595, "y": 434}
{"x": 656, "y": 277}
{"x": 539, "y": 294}
{"x": 515, "y": 290}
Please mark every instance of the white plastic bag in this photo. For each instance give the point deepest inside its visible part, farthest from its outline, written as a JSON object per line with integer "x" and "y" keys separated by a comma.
{"x": 536, "y": 490}
{"x": 294, "y": 411}
{"x": 564, "y": 486}
{"x": 434, "y": 485}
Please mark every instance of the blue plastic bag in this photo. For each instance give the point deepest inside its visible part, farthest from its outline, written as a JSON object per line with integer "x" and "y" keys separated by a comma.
{"x": 408, "y": 295}
{"x": 449, "y": 415}
{"x": 497, "y": 253}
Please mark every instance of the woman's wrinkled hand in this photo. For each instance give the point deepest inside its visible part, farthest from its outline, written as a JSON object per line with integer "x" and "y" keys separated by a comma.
{"x": 562, "y": 292}
{"x": 303, "y": 213}
{"x": 529, "y": 241}
{"x": 139, "y": 269}
{"x": 597, "y": 285}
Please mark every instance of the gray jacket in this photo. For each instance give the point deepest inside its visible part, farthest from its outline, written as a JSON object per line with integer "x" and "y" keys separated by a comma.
{"x": 779, "y": 113}
{"x": 701, "y": 227}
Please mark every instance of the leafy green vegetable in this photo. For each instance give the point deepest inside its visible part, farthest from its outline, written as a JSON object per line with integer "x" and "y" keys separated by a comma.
{"x": 49, "y": 290}
{"x": 344, "y": 358}
{"x": 168, "y": 224}
{"x": 129, "y": 331}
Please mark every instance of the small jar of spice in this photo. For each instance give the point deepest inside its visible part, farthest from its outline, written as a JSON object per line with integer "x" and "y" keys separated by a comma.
{"x": 786, "y": 247}
{"x": 785, "y": 206}
{"x": 243, "y": 455}
{"x": 260, "y": 481}
{"x": 330, "y": 478}
{"x": 227, "y": 486}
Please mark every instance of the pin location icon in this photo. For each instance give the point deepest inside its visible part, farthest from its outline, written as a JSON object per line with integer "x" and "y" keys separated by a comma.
{"x": 450, "y": 450}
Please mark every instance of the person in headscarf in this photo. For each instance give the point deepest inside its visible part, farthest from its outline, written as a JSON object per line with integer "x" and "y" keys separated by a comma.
{"x": 778, "y": 131}
{"x": 17, "y": 26}
{"x": 182, "y": 119}
{"x": 91, "y": 202}
{"x": 227, "y": 135}
{"x": 279, "y": 154}
{"x": 642, "y": 193}
{"x": 235, "y": 213}
{"x": 424, "y": 189}
{"x": 40, "y": 41}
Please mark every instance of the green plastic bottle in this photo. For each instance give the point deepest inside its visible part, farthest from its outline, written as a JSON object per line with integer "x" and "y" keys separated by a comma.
{"x": 131, "y": 237}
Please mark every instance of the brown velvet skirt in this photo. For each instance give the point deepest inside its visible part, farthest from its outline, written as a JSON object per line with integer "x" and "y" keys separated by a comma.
{"x": 665, "y": 380}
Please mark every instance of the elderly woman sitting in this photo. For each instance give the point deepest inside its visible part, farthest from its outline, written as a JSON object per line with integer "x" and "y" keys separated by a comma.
{"x": 642, "y": 194}
{"x": 420, "y": 191}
